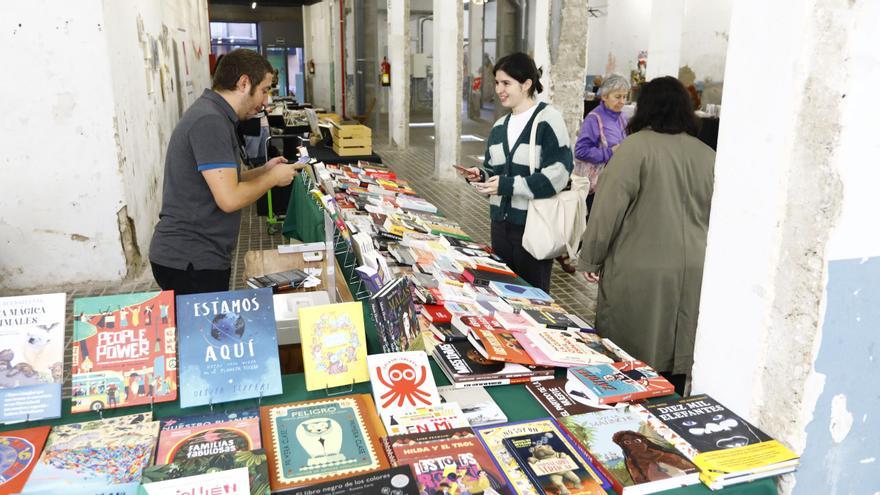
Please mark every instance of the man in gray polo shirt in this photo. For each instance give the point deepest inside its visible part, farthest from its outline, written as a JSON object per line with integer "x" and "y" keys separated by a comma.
{"x": 205, "y": 187}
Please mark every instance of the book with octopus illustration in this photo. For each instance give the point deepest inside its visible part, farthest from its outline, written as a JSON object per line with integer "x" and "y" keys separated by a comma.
{"x": 124, "y": 351}
{"x": 334, "y": 345}
{"x": 95, "y": 457}
{"x": 402, "y": 381}
{"x": 31, "y": 357}
{"x": 190, "y": 437}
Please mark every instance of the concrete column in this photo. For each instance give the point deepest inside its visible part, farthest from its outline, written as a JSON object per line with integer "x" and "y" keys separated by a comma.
{"x": 448, "y": 68}
{"x": 507, "y": 39}
{"x": 308, "y": 53}
{"x": 370, "y": 63}
{"x": 475, "y": 57}
{"x": 539, "y": 34}
{"x": 568, "y": 35}
{"x": 664, "y": 42}
{"x": 338, "y": 71}
{"x": 787, "y": 333}
{"x": 399, "y": 58}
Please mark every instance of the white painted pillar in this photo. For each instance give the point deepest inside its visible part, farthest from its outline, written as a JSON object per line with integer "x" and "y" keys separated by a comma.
{"x": 664, "y": 42}
{"x": 540, "y": 31}
{"x": 399, "y": 58}
{"x": 334, "y": 26}
{"x": 475, "y": 57}
{"x": 448, "y": 62}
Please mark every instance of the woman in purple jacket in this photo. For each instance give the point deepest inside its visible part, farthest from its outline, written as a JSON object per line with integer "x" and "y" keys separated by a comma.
{"x": 601, "y": 133}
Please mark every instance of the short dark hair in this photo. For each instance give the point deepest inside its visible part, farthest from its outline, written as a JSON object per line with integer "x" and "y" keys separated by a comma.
{"x": 664, "y": 106}
{"x": 237, "y": 63}
{"x": 522, "y": 68}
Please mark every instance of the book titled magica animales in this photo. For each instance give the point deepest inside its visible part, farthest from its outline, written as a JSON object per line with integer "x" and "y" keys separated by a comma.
{"x": 124, "y": 351}
{"x": 228, "y": 347}
{"x": 31, "y": 357}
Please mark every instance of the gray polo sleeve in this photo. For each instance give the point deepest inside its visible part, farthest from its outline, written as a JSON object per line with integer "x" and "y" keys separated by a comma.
{"x": 213, "y": 143}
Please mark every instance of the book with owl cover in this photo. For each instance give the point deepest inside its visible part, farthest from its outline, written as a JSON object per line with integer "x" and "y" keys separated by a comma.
{"x": 402, "y": 381}
{"x": 452, "y": 459}
{"x": 228, "y": 347}
{"x": 19, "y": 452}
{"x": 493, "y": 437}
{"x": 190, "y": 437}
{"x": 244, "y": 472}
{"x": 726, "y": 448}
{"x": 124, "y": 351}
{"x": 552, "y": 464}
{"x": 629, "y": 451}
{"x": 95, "y": 457}
{"x": 321, "y": 440}
{"x": 31, "y": 357}
{"x": 334, "y": 345}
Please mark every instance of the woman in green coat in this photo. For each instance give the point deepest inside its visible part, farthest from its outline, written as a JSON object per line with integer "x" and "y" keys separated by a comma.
{"x": 646, "y": 237}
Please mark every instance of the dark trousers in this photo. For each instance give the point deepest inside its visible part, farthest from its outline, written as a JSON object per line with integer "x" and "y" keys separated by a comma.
{"x": 507, "y": 243}
{"x": 191, "y": 281}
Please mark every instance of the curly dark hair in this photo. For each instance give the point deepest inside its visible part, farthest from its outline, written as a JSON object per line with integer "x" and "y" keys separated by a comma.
{"x": 521, "y": 67}
{"x": 664, "y": 106}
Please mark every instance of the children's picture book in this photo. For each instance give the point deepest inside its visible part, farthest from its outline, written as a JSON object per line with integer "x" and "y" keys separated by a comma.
{"x": 322, "y": 440}
{"x": 476, "y": 404}
{"x": 189, "y": 437}
{"x": 563, "y": 348}
{"x": 401, "y": 381}
{"x": 464, "y": 366}
{"x": 31, "y": 357}
{"x": 395, "y": 316}
{"x": 726, "y": 448}
{"x": 95, "y": 457}
{"x": 493, "y": 439}
{"x": 447, "y": 462}
{"x": 630, "y": 452}
{"x": 334, "y": 345}
{"x": 552, "y": 464}
{"x": 499, "y": 345}
{"x": 559, "y": 399}
{"x": 124, "y": 351}
{"x": 444, "y": 416}
{"x": 393, "y": 481}
{"x": 618, "y": 382}
{"x": 243, "y": 472}
{"x": 19, "y": 452}
{"x": 228, "y": 347}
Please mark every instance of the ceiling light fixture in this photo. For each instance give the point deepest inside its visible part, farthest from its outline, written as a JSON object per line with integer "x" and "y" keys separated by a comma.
{"x": 253, "y": 5}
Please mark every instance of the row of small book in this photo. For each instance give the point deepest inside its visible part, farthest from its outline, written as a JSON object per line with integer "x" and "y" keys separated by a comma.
{"x": 328, "y": 445}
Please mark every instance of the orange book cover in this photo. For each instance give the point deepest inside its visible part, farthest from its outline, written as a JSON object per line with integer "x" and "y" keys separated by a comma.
{"x": 19, "y": 452}
{"x": 322, "y": 440}
{"x": 501, "y": 345}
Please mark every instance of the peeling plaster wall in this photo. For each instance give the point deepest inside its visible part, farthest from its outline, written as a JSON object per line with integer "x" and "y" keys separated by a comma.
{"x": 60, "y": 182}
{"x": 704, "y": 38}
{"x": 319, "y": 48}
{"x": 150, "y": 94}
{"x": 569, "y": 63}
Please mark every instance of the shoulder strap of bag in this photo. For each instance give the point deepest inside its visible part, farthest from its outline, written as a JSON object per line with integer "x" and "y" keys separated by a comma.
{"x": 602, "y": 139}
{"x": 533, "y": 158}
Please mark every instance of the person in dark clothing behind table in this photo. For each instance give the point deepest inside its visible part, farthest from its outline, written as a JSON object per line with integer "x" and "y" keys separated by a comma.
{"x": 505, "y": 175}
{"x": 647, "y": 232}
{"x": 204, "y": 187}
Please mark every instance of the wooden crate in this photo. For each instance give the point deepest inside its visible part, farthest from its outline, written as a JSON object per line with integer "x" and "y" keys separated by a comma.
{"x": 352, "y": 142}
{"x": 330, "y": 116}
{"x": 352, "y": 151}
{"x": 351, "y": 131}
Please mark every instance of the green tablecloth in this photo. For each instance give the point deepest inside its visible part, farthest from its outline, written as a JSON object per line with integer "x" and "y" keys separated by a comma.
{"x": 516, "y": 402}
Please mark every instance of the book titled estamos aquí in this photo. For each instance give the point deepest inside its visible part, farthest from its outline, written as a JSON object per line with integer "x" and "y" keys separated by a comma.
{"x": 124, "y": 350}
{"x": 228, "y": 347}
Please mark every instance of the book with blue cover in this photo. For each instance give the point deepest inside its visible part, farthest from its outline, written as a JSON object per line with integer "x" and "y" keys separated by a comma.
{"x": 31, "y": 357}
{"x": 508, "y": 290}
{"x": 228, "y": 347}
{"x": 552, "y": 465}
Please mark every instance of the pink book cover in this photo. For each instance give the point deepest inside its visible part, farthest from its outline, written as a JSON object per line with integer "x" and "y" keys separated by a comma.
{"x": 191, "y": 437}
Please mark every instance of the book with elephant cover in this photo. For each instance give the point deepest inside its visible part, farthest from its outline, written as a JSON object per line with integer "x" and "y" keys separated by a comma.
{"x": 321, "y": 440}
{"x": 189, "y": 437}
{"x": 19, "y": 452}
{"x": 228, "y": 347}
{"x": 451, "y": 459}
{"x": 334, "y": 345}
{"x": 493, "y": 439}
{"x": 31, "y": 357}
{"x": 95, "y": 457}
{"x": 630, "y": 452}
{"x": 552, "y": 464}
{"x": 245, "y": 472}
{"x": 726, "y": 448}
{"x": 124, "y": 351}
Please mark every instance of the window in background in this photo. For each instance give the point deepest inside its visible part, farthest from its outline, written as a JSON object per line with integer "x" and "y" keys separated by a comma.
{"x": 228, "y": 36}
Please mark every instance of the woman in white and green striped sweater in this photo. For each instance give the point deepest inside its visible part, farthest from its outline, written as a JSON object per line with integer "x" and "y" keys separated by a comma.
{"x": 505, "y": 174}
